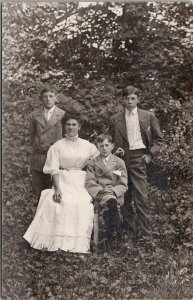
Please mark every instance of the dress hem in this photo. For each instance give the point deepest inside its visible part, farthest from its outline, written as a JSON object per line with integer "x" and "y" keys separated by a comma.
{"x": 54, "y": 243}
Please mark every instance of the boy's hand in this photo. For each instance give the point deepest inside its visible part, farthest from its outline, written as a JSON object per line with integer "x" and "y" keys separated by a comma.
{"x": 146, "y": 158}
{"x": 107, "y": 189}
{"x": 119, "y": 151}
{"x": 99, "y": 195}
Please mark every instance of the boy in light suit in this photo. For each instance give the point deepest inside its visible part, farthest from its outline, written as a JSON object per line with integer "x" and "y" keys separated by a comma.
{"x": 45, "y": 129}
{"x": 106, "y": 181}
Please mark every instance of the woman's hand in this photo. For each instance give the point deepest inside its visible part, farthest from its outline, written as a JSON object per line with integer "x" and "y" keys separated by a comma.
{"x": 57, "y": 195}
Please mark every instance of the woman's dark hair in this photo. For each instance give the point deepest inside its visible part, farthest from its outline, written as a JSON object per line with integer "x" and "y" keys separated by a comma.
{"x": 74, "y": 115}
{"x": 102, "y": 137}
{"x": 128, "y": 90}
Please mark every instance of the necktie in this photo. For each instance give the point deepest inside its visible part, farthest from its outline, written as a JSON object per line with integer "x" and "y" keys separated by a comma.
{"x": 47, "y": 115}
{"x": 105, "y": 160}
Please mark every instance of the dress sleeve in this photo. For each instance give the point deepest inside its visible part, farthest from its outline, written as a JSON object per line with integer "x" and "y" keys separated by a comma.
{"x": 93, "y": 151}
{"x": 52, "y": 164}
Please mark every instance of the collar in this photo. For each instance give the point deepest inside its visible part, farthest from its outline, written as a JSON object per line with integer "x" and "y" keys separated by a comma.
{"x": 131, "y": 113}
{"x": 106, "y": 158}
{"x": 49, "y": 110}
{"x": 71, "y": 138}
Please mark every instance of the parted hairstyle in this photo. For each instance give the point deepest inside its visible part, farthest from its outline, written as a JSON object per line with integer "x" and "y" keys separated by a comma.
{"x": 102, "y": 137}
{"x": 46, "y": 90}
{"x": 128, "y": 90}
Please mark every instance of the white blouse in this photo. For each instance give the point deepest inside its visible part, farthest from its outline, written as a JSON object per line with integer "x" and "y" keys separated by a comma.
{"x": 68, "y": 154}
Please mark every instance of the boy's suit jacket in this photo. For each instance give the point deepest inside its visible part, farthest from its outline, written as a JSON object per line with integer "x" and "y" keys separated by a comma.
{"x": 150, "y": 131}
{"x": 43, "y": 134}
{"x": 100, "y": 175}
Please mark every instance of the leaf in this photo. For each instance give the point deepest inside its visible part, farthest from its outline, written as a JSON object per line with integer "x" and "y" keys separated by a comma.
{"x": 188, "y": 245}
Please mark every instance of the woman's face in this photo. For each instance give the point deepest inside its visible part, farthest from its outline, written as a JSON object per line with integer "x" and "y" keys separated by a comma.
{"x": 72, "y": 127}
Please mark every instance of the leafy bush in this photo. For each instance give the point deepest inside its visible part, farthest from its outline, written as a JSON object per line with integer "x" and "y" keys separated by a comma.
{"x": 116, "y": 44}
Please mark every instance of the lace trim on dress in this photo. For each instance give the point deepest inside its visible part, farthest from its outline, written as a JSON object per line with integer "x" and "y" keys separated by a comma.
{"x": 71, "y": 138}
{"x": 77, "y": 244}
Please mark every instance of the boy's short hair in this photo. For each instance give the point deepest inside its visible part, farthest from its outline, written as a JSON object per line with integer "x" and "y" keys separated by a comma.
{"x": 128, "y": 90}
{"x": 100, "y": 138}
{"x": 47, "y": 90}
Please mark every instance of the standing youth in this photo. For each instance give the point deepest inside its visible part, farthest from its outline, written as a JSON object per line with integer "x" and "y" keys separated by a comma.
{"x": 138, "y": 133}
{"x": 45, "y": 129}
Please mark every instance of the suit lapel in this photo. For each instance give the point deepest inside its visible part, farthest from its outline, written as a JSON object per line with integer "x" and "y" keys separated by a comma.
{"x": 41, "y": 117}
{"x": 53, "y": 119}
{"x": 110, "y": 164}
{"x": 121, "y": 123}
{"x": 105, "y": 168}
{"x": 143, "y": 120}
{"x": 99, "y": 163}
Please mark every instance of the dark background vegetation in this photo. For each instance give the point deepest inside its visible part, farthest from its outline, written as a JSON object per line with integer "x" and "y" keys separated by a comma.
{"x": 88, "y": 54}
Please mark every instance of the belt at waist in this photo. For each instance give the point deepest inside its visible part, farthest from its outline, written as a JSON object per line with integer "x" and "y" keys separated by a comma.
{"x": 70, "y": 168}
{"x": 139, "y": 151}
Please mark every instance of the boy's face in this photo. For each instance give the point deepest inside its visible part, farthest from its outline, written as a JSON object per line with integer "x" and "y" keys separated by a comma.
{"x": 105, "y": 148}
{"x": 131, "y": 101}
{"x": 48, "y": 99}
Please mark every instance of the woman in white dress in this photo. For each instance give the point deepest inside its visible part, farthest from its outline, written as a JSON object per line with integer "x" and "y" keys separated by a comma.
{"x": 64, "y": 216}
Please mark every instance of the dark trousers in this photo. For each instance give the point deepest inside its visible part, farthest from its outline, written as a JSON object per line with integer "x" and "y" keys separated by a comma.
{"x": 135, "y": 210}
{"x": 40, "y": 182}
{"x": 112, "y": 219}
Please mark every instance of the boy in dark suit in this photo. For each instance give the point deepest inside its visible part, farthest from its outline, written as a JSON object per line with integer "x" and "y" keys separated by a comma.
{"x": 45, "y": 129}
{"x": 106, "y": 181}
{"x": 138, "y": 138}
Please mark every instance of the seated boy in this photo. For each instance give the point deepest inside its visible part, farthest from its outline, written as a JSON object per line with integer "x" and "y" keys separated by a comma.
{"x": 106, "y": 181}
{"x": 45, "y": 129}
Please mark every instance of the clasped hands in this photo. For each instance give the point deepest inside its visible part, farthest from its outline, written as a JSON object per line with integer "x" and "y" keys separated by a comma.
{"x": 106, "y": 190}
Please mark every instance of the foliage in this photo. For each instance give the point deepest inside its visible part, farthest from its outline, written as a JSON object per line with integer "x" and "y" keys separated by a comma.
{"x": 62, "y": 42}
{"x": 89, "y": 53}
{"x": 31, "y": 274}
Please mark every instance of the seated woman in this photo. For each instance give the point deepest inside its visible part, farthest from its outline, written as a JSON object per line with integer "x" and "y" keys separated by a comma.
{"x": 64, "y": 217}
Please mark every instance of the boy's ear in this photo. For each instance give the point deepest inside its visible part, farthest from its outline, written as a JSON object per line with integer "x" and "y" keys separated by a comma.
{"x": 113, "y": 146}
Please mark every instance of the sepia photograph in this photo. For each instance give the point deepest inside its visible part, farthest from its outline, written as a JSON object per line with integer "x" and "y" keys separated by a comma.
{"x": 97, "y": 150}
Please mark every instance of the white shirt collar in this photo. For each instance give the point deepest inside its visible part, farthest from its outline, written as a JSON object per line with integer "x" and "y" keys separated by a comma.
{"x": 132, "y": 112}
{"x": 49, "y": 110}
{"x": 106, "y": 158}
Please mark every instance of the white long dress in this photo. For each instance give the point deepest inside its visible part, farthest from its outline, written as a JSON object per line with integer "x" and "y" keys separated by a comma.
{"x": 66, "y": 225}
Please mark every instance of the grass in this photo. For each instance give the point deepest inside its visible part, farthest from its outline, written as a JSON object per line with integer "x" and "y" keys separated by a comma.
{"x": 119, "y": 275}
